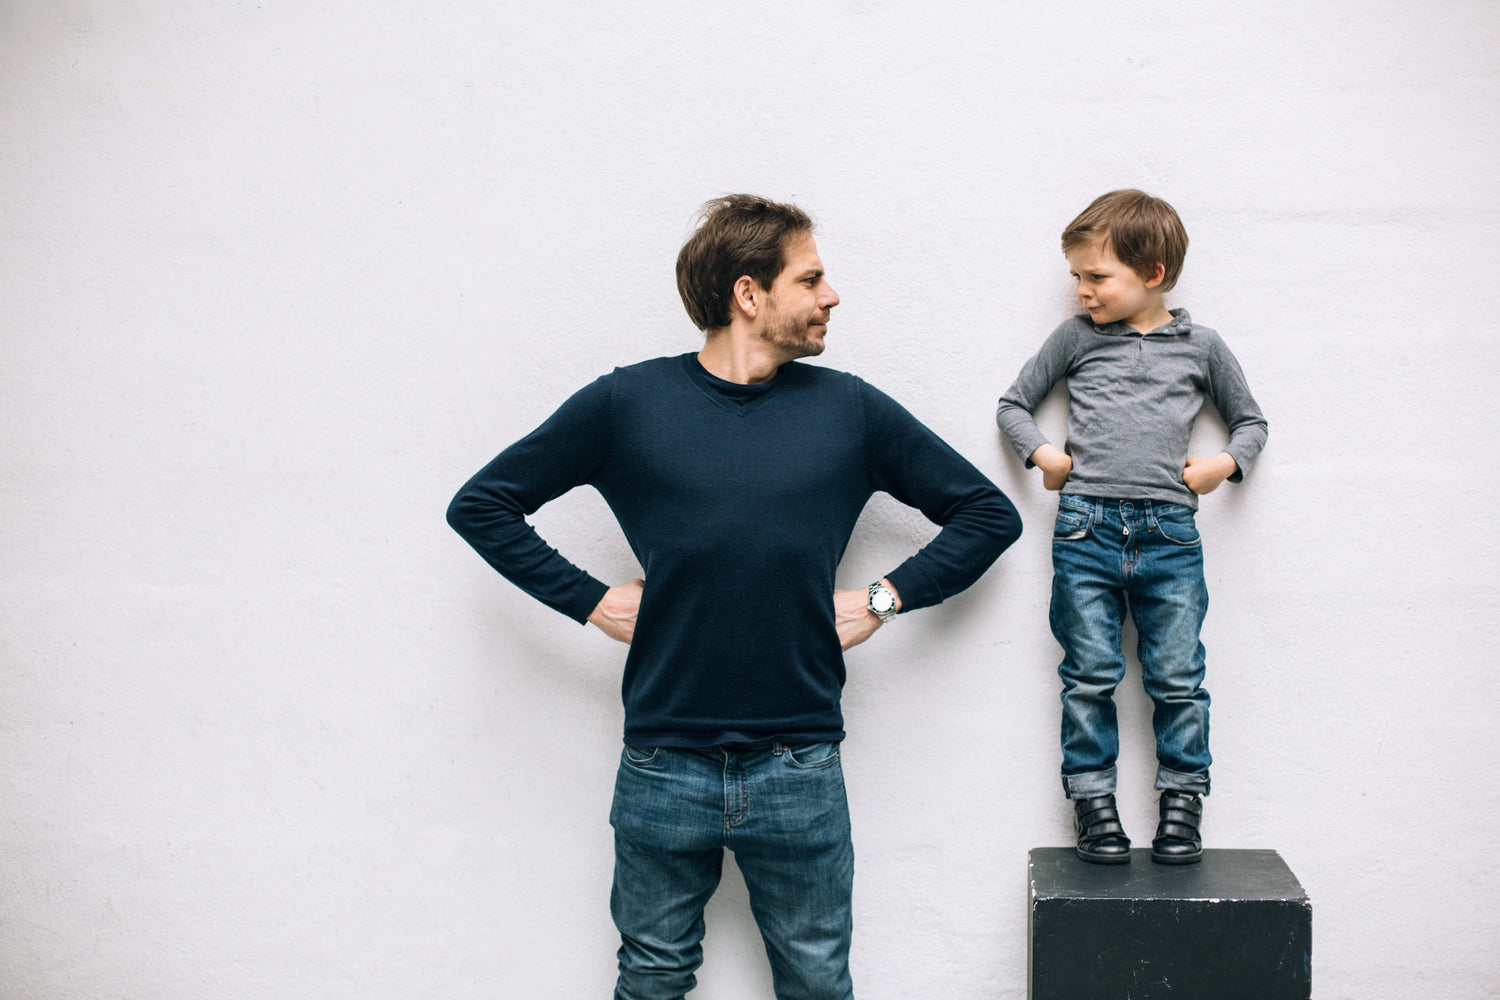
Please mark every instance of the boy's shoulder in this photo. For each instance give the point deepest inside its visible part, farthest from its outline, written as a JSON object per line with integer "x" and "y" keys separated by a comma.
{"x": 1183, "y": 320}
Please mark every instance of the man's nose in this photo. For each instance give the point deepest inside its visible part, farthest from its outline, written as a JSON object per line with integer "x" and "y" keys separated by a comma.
{"x": 830, "y": 297}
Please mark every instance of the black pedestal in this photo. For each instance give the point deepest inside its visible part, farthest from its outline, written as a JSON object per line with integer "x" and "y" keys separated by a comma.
{"x": 1235, "y": 925}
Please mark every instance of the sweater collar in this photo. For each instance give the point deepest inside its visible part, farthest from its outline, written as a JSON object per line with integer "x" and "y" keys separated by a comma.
{"x": 1181, "y": 324}
{"x": 723, "y": 391}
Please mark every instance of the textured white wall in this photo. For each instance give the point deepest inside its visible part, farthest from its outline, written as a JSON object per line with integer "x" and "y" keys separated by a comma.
{"x": 275, "y": 278}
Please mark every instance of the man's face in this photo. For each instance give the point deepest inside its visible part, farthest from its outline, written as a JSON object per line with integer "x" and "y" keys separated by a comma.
{"x": 799, "y": 303}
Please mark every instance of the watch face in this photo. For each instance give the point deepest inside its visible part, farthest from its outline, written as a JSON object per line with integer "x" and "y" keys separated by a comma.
{"x": 882, "y": 601}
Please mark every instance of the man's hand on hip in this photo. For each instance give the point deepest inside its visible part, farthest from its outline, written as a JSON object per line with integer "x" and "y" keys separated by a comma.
{"x": 615, "y": 613}
{"x": 853, "y": 617}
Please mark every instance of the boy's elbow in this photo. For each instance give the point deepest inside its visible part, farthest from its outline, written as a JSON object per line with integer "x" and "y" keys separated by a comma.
{"x": 1003, "y": 411}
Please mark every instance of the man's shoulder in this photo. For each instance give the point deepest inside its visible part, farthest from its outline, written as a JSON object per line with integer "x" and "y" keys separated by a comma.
{"x": 829, "y": 382}
{"x": 652, "y": 367}
{"x": 642, "y": 379}
{"x": 644, "y": 374}
{"x": 810, "y": 374}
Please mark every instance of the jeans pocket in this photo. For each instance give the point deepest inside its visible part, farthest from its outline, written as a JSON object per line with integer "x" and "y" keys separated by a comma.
{"x": 641, "y": 756}
{"x": 1176, "y": 524}
{"x": 1073, "y": 518}
{"x": 1070, "y": 526}
{"x": 809, "y": 756}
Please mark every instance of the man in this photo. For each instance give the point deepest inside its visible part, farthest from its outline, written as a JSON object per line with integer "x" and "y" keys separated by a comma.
{"x": 737, "y": 475}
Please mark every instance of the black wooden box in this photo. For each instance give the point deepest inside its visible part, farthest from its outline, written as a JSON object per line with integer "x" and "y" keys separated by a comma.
{"x": 1236, "y": 925}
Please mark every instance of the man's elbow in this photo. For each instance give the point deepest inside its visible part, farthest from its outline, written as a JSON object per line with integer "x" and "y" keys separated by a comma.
{"x": 1007, "y": 524}
{"x": 993, "y": 521}
{"x": 461, "y": 513}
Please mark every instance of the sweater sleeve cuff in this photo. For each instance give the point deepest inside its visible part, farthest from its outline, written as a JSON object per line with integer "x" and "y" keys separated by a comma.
{"x": 1242, "y": 464}
{"x": 917, "y": 588}
{"x": 1025, "y": 447}
{"x": 589, "y": 593}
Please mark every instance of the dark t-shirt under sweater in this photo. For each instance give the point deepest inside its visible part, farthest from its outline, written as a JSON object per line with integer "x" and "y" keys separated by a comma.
{"x": 739, "y": 502}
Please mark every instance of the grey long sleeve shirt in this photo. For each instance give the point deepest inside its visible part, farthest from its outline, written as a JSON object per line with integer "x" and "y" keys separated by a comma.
{"x": 1134, "y": 398}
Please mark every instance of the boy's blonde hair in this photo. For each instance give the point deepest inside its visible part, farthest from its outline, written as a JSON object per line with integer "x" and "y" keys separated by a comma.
{"x": 1140, "y": 230}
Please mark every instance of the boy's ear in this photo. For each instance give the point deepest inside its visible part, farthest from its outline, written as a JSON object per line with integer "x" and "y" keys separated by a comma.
{"x": 1157, "y": 276}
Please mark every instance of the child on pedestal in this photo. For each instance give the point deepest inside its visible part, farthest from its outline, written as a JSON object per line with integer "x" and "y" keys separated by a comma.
{"x": 1125, "y": 536}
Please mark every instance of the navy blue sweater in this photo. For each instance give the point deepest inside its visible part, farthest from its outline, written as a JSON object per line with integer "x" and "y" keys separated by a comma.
{"x": 739, "y": 502}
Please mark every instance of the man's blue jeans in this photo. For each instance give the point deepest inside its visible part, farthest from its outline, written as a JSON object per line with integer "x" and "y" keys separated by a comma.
{"x": 783, "y": 812}
{"x": 1107, "y": 555}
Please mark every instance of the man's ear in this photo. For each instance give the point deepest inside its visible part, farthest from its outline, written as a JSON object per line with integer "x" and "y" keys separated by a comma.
{"x": 748, "y": 295}
{"x": 1158, "y": 274}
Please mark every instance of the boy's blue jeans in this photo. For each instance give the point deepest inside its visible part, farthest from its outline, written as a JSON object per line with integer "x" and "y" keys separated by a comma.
{"x": 783, "y": 812}
{"x": 1107, "y": 555}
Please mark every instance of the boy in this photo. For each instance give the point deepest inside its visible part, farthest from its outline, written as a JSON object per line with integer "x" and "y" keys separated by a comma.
{"x": 1137, "y": 375}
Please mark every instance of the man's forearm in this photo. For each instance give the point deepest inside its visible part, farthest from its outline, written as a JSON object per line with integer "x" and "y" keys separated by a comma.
{"x": 852, "y": 615}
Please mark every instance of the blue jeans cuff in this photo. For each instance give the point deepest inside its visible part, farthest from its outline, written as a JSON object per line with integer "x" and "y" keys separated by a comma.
{"x": 1090, "y": 784}
{"x": 1177, "y": 781}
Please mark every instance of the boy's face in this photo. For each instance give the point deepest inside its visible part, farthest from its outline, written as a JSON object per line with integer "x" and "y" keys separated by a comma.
{"x": 1112, "y": 292}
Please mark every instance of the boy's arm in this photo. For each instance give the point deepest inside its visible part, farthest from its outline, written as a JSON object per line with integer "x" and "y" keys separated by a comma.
{"x": 1204, "y": 474}
{"x": 1014, "y": 413}
{"x": 1056, "y": 465}
{"x": 1230, "y": 393}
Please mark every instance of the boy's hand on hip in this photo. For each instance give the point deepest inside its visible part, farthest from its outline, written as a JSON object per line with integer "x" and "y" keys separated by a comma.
{"x": 1055, "y": 464}
{"x": 1204, "y": 473}
{"x": 615, "y": 613}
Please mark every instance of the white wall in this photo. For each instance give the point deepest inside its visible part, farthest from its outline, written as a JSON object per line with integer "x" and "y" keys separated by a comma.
{"x": 275, "y": 278}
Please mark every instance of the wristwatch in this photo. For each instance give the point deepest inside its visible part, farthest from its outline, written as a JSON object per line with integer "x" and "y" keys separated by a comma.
{"x": 882, "y": 602}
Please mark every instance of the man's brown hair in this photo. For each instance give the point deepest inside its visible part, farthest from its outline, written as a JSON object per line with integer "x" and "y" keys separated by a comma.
{"x": 1140, "y": 230}
{"x": 738, "y": 234}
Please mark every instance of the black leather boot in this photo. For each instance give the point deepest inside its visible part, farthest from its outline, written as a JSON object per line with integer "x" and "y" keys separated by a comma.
{"x": 1101, "y": 838}
{"x": 1177, "y": 839}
